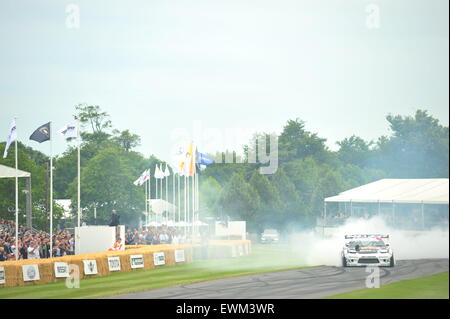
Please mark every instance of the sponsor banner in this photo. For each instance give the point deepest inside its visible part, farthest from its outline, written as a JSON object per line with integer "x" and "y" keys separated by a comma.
{"x": 2, "y": 275}
{"x": 30, "y": 272}
{"x": 137, "y": 261}
{"x": 90, "y": 267}
{"x": 114, "y": 263}
{"x": 159, "y": 259}
{"x": 179, "y": 255}
{"x": 61, "y": 270}
{"x": 240, "y": 250}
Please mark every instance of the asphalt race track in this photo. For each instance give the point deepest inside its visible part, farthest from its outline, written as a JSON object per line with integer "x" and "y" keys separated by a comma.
{"x": 308, "y": 283}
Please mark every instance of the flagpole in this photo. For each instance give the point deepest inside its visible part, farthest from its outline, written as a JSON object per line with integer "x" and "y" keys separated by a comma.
{"x": 146, "y": 215}
{"x": 179, "y": 208}
{"x": 193, "y": 205}
{"x": 51, "y": 188}
{"x": 197, "y": 198}
{"x": 149, "y": 193}
{"x": 186, "y": 199}
{"x": 173, "y": 198}
{"x": 79, "y": 177}
{"x": 17, "y": 194}
{"x": 167, "y": 197}
{"x": 160, "y": 195}
{"x": 156, "y": 192}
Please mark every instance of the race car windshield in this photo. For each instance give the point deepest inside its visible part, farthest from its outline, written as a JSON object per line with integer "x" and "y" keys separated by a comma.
{"x": 372, "y": 243}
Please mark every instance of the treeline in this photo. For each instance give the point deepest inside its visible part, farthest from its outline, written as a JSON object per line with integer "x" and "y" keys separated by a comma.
{"x": 292, "y": 197}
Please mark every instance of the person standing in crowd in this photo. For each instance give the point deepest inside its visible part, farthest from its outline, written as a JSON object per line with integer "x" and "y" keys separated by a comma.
{"x": 45, "y": 248}
{"x": 33, "y": 251}
{"x": 148, "y": 238}
{"x": 71, "y": 245}
{"x": 23, "y": 250}
{"x": 3, "y": 256}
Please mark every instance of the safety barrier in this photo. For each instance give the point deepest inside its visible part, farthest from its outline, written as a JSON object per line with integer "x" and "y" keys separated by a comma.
{"x": 37, "y": 271}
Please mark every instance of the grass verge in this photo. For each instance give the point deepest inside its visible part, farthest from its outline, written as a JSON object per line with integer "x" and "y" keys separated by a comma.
{"x": 429, "y": 287}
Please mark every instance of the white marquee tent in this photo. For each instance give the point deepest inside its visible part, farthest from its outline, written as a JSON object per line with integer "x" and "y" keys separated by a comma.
{"x": 10, "y": 172}
{"x": 418, "y": 191}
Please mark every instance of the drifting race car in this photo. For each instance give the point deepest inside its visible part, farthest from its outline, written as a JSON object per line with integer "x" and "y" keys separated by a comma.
{"x": 367, "y": 250}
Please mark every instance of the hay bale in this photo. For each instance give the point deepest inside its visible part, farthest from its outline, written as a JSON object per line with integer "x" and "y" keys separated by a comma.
{"x": 14, "y": 276}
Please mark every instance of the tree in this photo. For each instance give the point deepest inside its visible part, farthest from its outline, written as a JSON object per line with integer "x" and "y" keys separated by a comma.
{"x": 269, "y": 208}
{"x": 295, "y": 142}
{"x": 107, "y": 184}
{"x": 354, "y": 150}
{"x": 240, "y": 201}
{"x": 126, "y": 140}
{"x": 418, "y": 147}
{"x": 28, "y": 161}
{"x": 210, "y": 192}
{"x": 97, "y": 120}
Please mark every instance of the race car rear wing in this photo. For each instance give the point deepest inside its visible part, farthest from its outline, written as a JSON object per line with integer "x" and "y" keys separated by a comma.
{"x": 349, "y": 238}
{"x": 366, "y": 236}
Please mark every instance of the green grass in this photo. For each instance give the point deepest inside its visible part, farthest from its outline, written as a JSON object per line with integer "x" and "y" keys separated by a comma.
{"x": 262, "y": 259}
{"x": 429, "y": 287}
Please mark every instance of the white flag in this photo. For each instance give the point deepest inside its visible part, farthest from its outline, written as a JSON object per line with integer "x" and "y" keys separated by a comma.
{"x": 161, "y": 172}
{"x": 70, "y": 130}
{"x": 158, "y": 173}
{"x": 166, "y": 171}
{"x": 12, "y": 136}
{"x": 144, "y": 177}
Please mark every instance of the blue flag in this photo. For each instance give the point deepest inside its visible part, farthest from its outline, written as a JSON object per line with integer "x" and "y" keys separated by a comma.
{"x": 203, "y": 159}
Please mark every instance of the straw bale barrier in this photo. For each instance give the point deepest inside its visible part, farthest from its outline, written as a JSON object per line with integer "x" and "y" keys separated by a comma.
{"x": 14, "y": 275}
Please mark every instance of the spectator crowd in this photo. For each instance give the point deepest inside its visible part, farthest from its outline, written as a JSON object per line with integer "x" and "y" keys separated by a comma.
{"x": 154, "y": 236}
{"x": 33, "y": 244}
{"x": 36, "y": 244}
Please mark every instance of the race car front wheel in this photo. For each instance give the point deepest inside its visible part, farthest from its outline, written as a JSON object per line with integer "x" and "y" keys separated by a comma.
{"x": 344, "y": 262}
{"x": 392, "y": 261}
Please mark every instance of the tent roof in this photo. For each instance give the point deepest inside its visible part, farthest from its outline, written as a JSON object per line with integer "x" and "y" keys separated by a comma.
{"x": 7, "y": 172}
{"x": 427, "y": 191}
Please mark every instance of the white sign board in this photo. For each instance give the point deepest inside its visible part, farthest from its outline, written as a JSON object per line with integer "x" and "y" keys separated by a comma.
{"x": 159, "y": 259}
{"x": 236, "y": 228}
{"x": 90, "y": 267}
{"x": 61, "y": 270}
{"x": 94, "y": 239}
{"x": 179, "y": 255}
{"x": 114, "y": 263}
{"x": 30, "y": 272}
{"x": 2, "y": 275}
{"x": 137, "y": 261}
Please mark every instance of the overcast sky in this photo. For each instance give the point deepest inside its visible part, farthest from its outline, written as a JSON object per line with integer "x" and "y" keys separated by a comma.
{"x": 156, "y": 66}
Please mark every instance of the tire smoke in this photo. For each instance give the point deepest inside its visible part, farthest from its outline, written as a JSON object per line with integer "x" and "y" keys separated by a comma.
{"x": 319, "y": 249}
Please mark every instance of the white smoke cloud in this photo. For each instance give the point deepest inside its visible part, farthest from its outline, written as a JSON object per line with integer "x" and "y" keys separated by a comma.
{"x": 316, "y": 249}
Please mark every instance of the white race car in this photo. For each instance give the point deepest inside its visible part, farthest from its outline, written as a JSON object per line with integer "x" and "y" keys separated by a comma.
{"x": 367, "y": 250}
